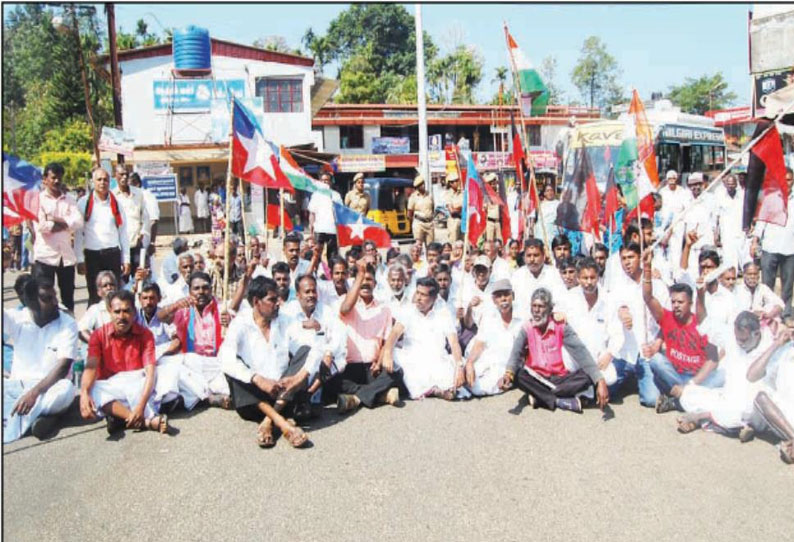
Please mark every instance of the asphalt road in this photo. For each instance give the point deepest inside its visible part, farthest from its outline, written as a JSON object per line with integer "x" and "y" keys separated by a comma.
{"x": 429, "y": 471}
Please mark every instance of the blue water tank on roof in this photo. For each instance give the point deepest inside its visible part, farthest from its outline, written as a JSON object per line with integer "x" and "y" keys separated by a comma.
{"x": 192, "y": 49}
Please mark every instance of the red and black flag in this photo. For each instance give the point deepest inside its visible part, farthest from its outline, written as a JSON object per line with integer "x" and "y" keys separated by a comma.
{"x": 580, "y": 205}
{"x": 766, "y": 191}
{"x": 611, "y": 201}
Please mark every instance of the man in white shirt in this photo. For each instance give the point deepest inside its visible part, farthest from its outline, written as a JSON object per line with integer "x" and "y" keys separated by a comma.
{"x": 97, "y": 315}
{"x": 255, "y": 359}
{"x": 675, "y": 198}
{"x": 132, "y": 201}
{"x": 152, "y": 207}
{"x": 59, "y": 219}
{"x": 730, "y": 202}
{"x": 535, "y": 274}
{"x": 45, "y": 345}
{"x": 179, "y": 290}
{"x": 702, "y": 218}
{"x": 488, "y": 355}
{"x": 476, "y": 296}
{"x": 202, "y": 203}
{"x": 428, "y": 370}
{"x": 102, "y": 244}
{"x": 395, "y": 293}
{"x": 500, "y": 269}
{"x": 321, "y": 217}
{"x": 332, "y": 292}
{"x": 587, "y": 313}
{"x": 756, "y": 297}
{"x": 777, "y": 252}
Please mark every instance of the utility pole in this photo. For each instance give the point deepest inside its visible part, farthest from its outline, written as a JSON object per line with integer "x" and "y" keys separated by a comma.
{"x": 115, "y": 77}
{"x": 424, "y": 166}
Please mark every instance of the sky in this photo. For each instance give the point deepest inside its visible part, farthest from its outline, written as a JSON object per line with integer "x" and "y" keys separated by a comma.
{"x": 656, "y": 46}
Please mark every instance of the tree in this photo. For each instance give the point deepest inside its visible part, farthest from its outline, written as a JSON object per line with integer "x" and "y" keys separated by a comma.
{"x": 596, "y": 75}
{"x": 548, "y": 69}
{"x": 378, "y": 38}
{"x": 500, "y": 76}
{"x": 454, "y": 77}
{"x": 273, "y": 43}
{"x": 699, "y": 95}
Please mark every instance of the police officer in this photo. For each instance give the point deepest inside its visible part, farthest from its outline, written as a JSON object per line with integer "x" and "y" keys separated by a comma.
{"x": 357, "y": 199}
{"x": 454, "y": 206}
{"x": 420, "y": 212}
{"x": 493, "y": 227}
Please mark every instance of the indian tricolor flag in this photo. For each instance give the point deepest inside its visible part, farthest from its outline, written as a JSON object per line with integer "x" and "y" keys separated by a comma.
{"x": 636, "y": 163}
{"x": 534, "y": 94}
{"x": 298, "y": 178}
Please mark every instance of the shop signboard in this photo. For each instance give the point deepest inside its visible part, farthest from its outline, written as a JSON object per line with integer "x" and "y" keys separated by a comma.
{"x": 354, "y": 163}
{"x": 194, "y": 94}
{"x": 544, "y": 159}
{"x": 492, "y": 160}
{"x": 118, "y": 141}
{"x": 434, "y": 142}
{"x": 162, "y": 186}
{"x": 767, "y": 83}
{"x": 676, "y": 133}
{"x": 438, "y": 161}
{"x": 150, "y": 168}
{"x": 391, "y": 145}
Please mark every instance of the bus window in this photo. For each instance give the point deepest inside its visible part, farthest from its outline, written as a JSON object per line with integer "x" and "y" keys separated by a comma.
{"x": 669, "y": 156}
{"x": 696, "y": 154}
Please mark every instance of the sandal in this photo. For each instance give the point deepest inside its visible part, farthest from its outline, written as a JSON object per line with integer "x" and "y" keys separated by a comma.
{"x": 787, "y": 452}
{"x": 685, "y": 425}
{"x": 220, "y": 400}
{"x": 297, "y": 437}
{"x": 162, "y": 424}
{"x": 264, "y": 435}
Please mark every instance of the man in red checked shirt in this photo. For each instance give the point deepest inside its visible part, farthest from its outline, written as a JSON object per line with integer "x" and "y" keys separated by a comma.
{"x": 689, "y": 356}
{"x": 120, "y": 371}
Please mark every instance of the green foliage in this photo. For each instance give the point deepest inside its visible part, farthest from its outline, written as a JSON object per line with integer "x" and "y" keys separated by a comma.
{"x": 76, "y": 165}
{"x": 548, "y": 70}
{"x": 596, "y": 75}
{"x": 374, "y": 47}
{"x": 699, "y": 95}
{"x": 73, "y": 136}
{"x": 453, "y": 77}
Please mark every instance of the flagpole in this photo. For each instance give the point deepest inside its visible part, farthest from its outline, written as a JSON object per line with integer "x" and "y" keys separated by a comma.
{"x": 267, "y": 231}
{"x": 522, "y": 137}
{"x": 227, "y": 228}
{"x": 719, "y": 177}
{"x": 246, "y": 241}
{"x": 281, "y": 207}
{"x": 466, "y": 232}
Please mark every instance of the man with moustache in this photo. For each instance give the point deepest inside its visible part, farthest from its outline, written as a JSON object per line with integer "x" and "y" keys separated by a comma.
{"x": 133, "y": 202}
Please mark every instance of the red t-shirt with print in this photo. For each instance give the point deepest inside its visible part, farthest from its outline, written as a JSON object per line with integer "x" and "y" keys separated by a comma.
{"x": 685, "y": 345}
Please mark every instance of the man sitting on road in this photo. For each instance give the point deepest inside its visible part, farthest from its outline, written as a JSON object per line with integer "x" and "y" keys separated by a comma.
{"x": 532, "y": 275}
{"x": 368, "y": 323}
{"x": 45, "y": 345}
{"x": 97, "y": 315}
{"x": 120, "y": 371}
{"x": 487, "y": 359}
{"x": 543, "y": 376}
{"x": 427, "y": 368}
{"x": 689, "y": 356}
{"x": 255, "y": 357}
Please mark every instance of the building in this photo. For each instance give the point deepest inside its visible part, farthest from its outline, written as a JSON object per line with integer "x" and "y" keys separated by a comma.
{"x": 383, "y": 139}
{"x": 180, "y": 123}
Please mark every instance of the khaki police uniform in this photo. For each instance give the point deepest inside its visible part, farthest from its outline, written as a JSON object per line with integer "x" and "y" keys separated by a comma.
{"x": 454, "y": 199}
{"x": 358, "y": 201}
{"x": 422, "y": 225}
{"x": 493, "y": 228}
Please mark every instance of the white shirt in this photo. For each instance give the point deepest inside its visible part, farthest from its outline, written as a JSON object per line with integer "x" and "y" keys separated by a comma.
{"x": 762, "y": 299}
{"x": 245, "y": 340}
{"x": 426, "y": 332}
{"x": 330, "y": 339}
{"x": 152, "y": 205}
{"x": 100, "y": 231}
{"x": 500, "y": 269}
{"x": 38, "y": 349}
{"x": 201, "y": 199}
{"x": 525, "y": 283}
{"x": 778, "y": 239}
{"x": 396, "y": 306}
{"x": 674, "y": 201}
{"x": 323, "y": 209}
{"x": 590, "y": 323}
{"x": 136, "y": 212}
{"x": 486, "y": 305}
{"x": 497, "y": 337}
{"x": 326, "y": 294}
{"x": 730, "y": 211}
{"x": 95, "y": 316}
{"x": 703, "y": 218}
{"x": 623, "y": 343}
{"x": 175, "y": 291}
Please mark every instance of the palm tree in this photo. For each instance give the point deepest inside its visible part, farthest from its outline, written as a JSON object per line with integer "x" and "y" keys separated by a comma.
{"x": 501, "y": 76}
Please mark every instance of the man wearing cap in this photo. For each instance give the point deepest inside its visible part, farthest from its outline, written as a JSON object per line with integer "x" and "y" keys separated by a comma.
{"x": 455, "y": 207}
{"x": 477, "y": 293}
{"x": 420, "y": 212}
{"x": 702, "y": 218}
{"x": 493, "y": 227}
{"x": 357, "y": 199}
{"x": 487, "y": 357}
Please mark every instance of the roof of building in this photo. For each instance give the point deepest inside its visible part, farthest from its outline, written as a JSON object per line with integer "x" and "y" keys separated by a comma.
{"x": 219, "y": 48}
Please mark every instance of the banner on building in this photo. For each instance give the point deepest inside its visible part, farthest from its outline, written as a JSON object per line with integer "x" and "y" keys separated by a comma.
{"x": 492, "y": 160}
{"x": 354, "y": 163}
{"x": 162, "y": 186}
{"x": 117, "y": 141}
{"x": 438, "y": 161}
{"x": 391, "y": 145}
{"x": 194, "y": 94}
{"x": 150, "y": 168}
{"x": 434, "y": 142}
{"x": 765, "y": 84}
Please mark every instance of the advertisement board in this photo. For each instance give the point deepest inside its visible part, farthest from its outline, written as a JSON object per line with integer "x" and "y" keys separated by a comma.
{"x": 391, "y": 145}
{"x": 353, "y": 163}
{"x": 162, "y": 186}
{"x": 766, "y": 83}
{"x": 194, "y": 94}
{"x": 118, "y": 141}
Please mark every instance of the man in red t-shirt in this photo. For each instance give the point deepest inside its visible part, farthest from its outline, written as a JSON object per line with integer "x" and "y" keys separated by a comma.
{"x": 689, "y": 356}
{"x": 119, "y": 372}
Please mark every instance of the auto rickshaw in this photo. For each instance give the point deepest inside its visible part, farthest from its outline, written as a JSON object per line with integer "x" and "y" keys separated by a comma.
{"x": 388, "y": 203}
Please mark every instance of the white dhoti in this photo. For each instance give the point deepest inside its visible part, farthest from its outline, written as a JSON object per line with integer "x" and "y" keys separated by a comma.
{"x": 126, "y": 388}
{"x": 488, "y": 370}
{"x": 729, "y": 407}
{"x": 423, "y": 371}
{"x": 209, "y": 368}
{"x": 175, "y": 379}
{"x": 783, "y": 395}
{"x": 185, "y": 219}
{"x": 53, "y": 401}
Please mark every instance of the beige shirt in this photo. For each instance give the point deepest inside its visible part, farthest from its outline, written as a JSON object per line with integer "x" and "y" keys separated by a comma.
{"x": 421, "y": 205}
{"x": 455, "y": 200}
{"x": 358, "y": 201}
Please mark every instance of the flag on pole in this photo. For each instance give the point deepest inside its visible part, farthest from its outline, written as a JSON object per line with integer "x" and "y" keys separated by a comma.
{"x": 766, "y": 191}
{"x": 353, "y": 229}
{"x": 611, "y": 203}
{"x": 580, "y": 205}
{"x": 273, "y": 218}
{"x": 296, "y": 176}
{"x": 473, "y": 213}
{"x": 534, "y": 96}
{"x": 253, "y": 157}
{"x": 21, "y": 184}
{"x": 636, "y": 163}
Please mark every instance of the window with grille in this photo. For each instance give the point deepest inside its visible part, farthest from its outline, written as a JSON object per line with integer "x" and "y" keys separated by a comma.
{"x": 280, "y": 95}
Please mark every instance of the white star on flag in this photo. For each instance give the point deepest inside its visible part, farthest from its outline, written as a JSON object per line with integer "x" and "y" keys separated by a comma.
{"x": 9, "y": 183}
{"x": 357, "y": 229}
{"x": 259, "y": 154}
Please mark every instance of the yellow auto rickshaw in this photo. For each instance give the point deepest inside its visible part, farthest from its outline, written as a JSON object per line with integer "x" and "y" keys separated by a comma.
{"x": 388, "y": 202}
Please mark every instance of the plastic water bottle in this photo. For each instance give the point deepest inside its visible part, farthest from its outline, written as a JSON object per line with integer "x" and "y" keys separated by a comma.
{"x": 77, "y": 369}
